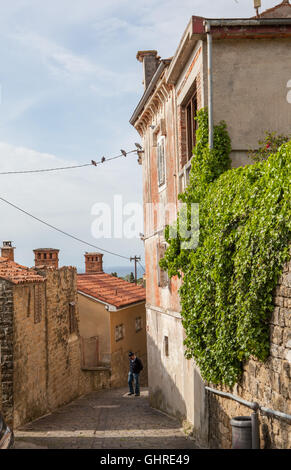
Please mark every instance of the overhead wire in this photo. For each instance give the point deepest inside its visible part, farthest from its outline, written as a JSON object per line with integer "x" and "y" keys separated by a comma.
{"x": 93, "y": 163}
{"x": 62, "y": 231}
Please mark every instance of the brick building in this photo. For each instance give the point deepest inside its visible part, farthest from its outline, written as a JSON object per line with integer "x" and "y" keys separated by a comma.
{"x": 112, "y": 321}
{"x": 239, "y": 68}
{"x": 39, "y": 339}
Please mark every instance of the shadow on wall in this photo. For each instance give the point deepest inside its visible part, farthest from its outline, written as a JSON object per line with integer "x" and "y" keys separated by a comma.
{"x": 178, "y": 392}
{"x": 165, "y": 396}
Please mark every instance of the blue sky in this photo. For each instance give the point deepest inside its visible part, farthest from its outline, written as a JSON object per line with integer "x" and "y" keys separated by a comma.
{"x": 69, "y": 84}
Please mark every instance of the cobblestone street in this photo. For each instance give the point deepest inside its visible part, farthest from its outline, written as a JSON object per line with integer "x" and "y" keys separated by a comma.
{"x": 107, "y": 419}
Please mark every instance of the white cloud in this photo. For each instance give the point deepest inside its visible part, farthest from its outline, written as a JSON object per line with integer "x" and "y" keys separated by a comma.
{"x": 63, "y": 199}
{"x": 71, "y": 67}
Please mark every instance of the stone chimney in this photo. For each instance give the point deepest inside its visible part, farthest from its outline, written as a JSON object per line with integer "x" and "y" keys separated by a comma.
{"x": 150, "y": 61}
{"x": 93, "y": 263}
{"x": 48, "y": 257}
{"x": 7, "y": 250}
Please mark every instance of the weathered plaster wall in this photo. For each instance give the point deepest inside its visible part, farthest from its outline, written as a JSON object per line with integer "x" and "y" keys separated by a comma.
{"x": 95, "y": 321}
{"x": 175, "y": 384}
{"x": 269, "y": 384}
{"x": 132, "y": 341}
{"x": 250, "y": 90}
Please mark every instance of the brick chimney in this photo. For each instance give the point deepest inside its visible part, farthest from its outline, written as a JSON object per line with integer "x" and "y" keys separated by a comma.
{"x": 7, "y": 250}
{"x": 150, "y": 61}
{"x": 48, "y": 257}
{"x": 93, "y": 263}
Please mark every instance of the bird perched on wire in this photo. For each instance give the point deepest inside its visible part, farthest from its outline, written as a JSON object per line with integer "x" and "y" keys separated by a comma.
{"x": 138, "y": 146}
{"x": 123, "y": 152}
{"x": 103, "y": 159}
{"x": 93, "y": 162}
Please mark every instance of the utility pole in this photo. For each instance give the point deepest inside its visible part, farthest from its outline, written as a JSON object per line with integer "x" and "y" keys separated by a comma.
{"x": 135, "y": 259}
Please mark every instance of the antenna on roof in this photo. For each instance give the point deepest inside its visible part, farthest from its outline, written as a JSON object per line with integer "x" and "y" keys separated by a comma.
{"x": 257, "y": 5}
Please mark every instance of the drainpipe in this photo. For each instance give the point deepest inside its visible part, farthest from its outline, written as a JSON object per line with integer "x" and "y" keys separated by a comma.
{"x": 210, "y": 87}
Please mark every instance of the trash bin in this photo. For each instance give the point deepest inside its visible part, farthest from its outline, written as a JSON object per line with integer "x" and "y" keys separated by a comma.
{"x": 241, "y": 432}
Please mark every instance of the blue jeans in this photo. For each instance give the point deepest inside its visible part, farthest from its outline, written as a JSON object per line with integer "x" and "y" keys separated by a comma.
{"x": 131, "y": 376}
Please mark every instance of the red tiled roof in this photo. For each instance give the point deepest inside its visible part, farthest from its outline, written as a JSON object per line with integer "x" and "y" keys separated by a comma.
{"x": 283, "y": 10}
{"x": 110, "y": 289}
{"x": 17, "y": 274}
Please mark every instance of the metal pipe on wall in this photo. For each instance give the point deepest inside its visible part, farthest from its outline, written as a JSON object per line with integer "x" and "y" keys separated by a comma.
{"x": 210, "y": 84}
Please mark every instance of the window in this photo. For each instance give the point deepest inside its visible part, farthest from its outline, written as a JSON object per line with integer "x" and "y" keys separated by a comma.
{"x": 163, "y": 279}
{"x": 72, "y": 317}
{"x": 166, "y": 345}
{"x": 191, "y": 124}
{"x": 184, "y": 177}
{"x": 38, "y": 303}
{"x": 161, "y": 161}
{"x": 138, "y": 324}
{"x": 119, "y": 332}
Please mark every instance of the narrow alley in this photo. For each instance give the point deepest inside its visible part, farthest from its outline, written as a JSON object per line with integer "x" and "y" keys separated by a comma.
{"x": 108, "y": 419}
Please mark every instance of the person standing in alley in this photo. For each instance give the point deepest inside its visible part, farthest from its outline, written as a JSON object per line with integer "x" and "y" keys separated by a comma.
{"x": 135, "y": 367}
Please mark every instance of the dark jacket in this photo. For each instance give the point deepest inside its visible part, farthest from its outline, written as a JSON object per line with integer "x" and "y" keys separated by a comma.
{"x": 135, "y": 366}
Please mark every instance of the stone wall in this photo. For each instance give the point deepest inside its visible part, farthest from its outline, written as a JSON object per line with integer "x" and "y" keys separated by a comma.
{"x": 268, "y": 384}
{"x": 41, "y": 355}
{"x": 30, "y": 372}
{"x": 6, "y": 349}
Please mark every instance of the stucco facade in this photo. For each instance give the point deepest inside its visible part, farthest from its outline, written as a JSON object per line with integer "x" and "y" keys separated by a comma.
{"x": 112, "y": 321}
{"x": 97, "y": 321}
{"x": 250, "y": 74}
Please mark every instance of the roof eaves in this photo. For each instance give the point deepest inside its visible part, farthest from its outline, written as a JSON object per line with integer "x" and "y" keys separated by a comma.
{"x": 150, "y": 89}
{"x": 193, "y": 32}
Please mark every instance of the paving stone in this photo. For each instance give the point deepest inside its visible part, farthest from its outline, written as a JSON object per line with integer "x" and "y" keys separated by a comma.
{"x": 106, "y": 419}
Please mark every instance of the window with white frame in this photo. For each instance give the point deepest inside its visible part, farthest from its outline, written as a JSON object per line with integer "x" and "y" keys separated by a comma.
{"x": 161, "y": 161}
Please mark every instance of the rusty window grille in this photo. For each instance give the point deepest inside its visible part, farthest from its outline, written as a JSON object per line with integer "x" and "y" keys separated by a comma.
{"x": 119, "y": 332}
{"x": 38, "y": 303}
{"x": 72, "y": 317}
{"x": 90, "y": 352}
{"x": 138, "y": 324}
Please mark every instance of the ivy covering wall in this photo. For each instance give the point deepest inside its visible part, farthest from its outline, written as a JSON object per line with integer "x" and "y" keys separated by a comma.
{"x": 229, "y": 279}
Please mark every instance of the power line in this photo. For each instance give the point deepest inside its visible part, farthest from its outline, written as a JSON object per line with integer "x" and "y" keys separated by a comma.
{"x": 62, "y": 231}
{"x": 93, "y": 163}
{"x": 141, "y": 266}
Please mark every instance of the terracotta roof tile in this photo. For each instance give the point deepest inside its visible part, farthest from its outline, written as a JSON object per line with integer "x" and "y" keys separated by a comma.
{"x": 282, "y": 10}
{"x": 110, "y": 289}
{"x": 17, "y": 274}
